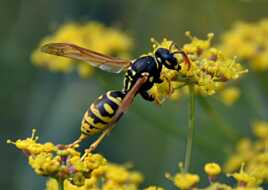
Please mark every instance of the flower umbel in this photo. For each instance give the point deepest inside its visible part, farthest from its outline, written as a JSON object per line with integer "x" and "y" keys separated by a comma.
{"x": 212, "y": 169}
{"x": 209, "y": 68}
{"x": 252, "y": 153}
{"x": 65, "y": 164}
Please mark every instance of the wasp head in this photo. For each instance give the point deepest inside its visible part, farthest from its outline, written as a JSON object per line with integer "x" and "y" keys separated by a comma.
{"x": 166, "y": 57}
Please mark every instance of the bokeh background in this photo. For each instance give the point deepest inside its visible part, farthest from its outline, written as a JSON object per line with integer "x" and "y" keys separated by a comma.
{"x": 151, "y": 137}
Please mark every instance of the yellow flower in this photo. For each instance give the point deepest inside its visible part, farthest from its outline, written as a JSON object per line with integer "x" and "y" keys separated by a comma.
{"x": 245, "y": 152}
{"x": 245, "y": 179}
{"x": 209, "y": 68}
{"x": 91, "y": 35}
{"x": 218, "y": 186}
{"x": 94, "y": 161}
{"x": 51, "y": 184}
{"x": 30, "y": 145}
{"x": 45, "y": 164}
{"x": 77, "y": 164}
{"x": 154, "y": 188}
{"x": 230, "y": 95}
{"x": 117, "y": 173}
{"x": 212, "y": 169}
{"x": 186, "y": 180}
{"x": 260, "y": 129}
{"x": 248, "y": 188}
{"x": 78, "y": 179}
{"x": 135, "y": 177}
{"x": 249, "y": 42}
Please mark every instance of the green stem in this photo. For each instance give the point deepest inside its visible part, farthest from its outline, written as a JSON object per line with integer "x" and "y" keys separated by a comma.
{"x": 60, "y": 184}
{"x": 191, "y": 125}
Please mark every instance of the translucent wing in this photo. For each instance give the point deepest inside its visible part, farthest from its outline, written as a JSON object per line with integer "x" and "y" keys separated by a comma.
{"x": 93, "y": 58}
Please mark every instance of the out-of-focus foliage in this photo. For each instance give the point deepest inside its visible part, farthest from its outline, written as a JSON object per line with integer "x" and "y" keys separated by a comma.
{"x": 248, "y": 41}
{"x": 252, "y": 153}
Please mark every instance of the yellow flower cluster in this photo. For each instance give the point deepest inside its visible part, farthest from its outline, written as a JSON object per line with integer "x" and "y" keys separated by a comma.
{"x": 60, "y": 163}
{"x": 65, "y": 164}
{"x": 188, "y": 181}
{"x": 91, "y": 35}
{"x": 110, "y": 177}
{"x": 248, "y": 41}
{"x": 252, "y": 153}
{"x": 208, "y": 70}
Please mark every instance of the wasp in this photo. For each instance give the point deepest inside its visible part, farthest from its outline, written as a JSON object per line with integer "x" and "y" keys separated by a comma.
{"x": 140, "y": 76}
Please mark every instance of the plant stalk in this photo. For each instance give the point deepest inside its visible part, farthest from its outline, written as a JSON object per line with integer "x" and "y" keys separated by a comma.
{"x": 191, "y": 126}
{"x": 60, "y": 184}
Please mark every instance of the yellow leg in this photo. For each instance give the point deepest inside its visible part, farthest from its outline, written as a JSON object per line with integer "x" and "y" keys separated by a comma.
{"x": 94, "y": 145}
{"x": 78, "y": 141}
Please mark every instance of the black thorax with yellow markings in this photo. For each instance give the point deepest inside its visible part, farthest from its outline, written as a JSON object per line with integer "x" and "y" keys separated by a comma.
{"x": 145, "y": 64}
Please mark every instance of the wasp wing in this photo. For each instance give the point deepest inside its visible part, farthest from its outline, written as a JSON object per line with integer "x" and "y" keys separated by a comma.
{"x": 93, "y": 58}
{"x": 128, "y": 99}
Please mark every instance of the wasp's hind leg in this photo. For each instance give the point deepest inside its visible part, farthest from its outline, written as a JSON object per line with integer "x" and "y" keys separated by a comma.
{"x": 95, "y": 144}
{"x": 77, "y": 141}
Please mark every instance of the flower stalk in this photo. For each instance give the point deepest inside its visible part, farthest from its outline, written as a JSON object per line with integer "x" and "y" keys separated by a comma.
{"x": 60, "y": 184}
{"x": 191, "y": 126}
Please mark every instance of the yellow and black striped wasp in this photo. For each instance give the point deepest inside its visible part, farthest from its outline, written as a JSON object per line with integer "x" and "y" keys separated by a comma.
{"x": 140, "y": 76}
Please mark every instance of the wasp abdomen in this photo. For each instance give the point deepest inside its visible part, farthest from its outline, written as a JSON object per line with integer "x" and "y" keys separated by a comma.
{"x": 101, "y": 112}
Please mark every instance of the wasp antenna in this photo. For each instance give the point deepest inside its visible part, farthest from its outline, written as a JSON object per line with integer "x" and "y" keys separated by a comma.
{"x": 173, "y": 44}
{"x": 185, "y": 57}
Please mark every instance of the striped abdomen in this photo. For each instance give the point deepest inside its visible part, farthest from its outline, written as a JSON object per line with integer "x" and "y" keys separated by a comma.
{"x": 101, "y": 112}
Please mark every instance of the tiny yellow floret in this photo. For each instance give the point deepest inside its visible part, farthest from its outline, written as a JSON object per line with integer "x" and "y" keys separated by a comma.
{"x": 212, "y": 169}
{"x": 186, "y": 181}
{"x": 260, "y": 129}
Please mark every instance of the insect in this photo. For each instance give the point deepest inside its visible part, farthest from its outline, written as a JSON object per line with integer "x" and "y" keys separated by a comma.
{"x": 106, "y": 110}
{"x": 134, "y": 69}
{"x": 140, "y": 76}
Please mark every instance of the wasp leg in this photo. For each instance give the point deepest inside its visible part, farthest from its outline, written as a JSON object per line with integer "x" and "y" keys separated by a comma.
{"x": 77, "y": 141}
{"x": 145, "y": 95}
{"x": 94, "y": 145}
{"x": 170, "y": 89}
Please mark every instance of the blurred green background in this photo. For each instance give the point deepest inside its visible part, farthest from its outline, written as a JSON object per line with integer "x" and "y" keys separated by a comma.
{"x": 151, "y": 137}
